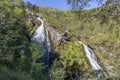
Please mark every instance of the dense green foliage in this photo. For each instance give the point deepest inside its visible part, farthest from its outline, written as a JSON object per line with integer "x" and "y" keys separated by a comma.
{"x": 73, "y": 59}
{"x": 17, "y": 56}
{"x": 98, "y": 27}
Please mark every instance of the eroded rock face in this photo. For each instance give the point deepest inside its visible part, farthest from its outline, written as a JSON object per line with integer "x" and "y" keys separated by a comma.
{"x": 56, "y": 36}
{"x": 108, "y": 61}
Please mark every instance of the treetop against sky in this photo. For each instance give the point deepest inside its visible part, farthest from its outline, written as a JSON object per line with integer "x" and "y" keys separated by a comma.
{"x": 61, "y": 4}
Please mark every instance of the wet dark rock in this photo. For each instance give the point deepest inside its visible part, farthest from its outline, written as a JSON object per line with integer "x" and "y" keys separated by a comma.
{"x": 34, "y": 22}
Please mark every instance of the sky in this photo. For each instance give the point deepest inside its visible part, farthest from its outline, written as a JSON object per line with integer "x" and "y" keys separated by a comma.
{"x": 60, "y": 4}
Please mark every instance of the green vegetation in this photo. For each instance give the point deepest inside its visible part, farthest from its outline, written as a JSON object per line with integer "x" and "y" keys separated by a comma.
{"x": 57, "y": 71}
{"x": 17, "y": 56}
{"x": 73, "y": 59}
{"x": 98, "y": 27}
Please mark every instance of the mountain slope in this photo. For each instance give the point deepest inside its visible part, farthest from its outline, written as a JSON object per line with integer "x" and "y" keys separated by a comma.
{"x": 99, "y": 28}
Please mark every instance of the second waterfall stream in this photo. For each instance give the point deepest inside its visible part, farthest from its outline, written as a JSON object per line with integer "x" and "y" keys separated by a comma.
{"x": 41, "y": 35}
{"x": 91, "y": 57}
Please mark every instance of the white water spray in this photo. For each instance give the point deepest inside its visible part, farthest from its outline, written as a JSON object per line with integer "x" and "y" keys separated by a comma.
{"x": 42, "y": 37}
{"x": 39, "y": 34}
{"x": 91, "y": 57}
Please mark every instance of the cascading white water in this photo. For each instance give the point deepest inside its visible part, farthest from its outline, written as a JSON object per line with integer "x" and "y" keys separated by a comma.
{"x": 42, "y": 37}
{"x": 91, "y": 57}
{"x": 39, "y": 34}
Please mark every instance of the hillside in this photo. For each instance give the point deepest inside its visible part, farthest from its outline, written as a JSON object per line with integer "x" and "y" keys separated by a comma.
{"x": 98, "y": 27}
{"x": 23, "y": 59}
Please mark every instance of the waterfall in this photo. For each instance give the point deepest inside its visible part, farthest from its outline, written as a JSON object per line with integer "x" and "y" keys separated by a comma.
{"x": 91, "y": 57}
{"x": 89, "y": 53}
{"x": 41, "y": 35}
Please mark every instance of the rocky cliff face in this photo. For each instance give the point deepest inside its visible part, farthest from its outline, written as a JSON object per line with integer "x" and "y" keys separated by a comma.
{"x": 108, "y": 60}
{"x": 56, "y": 36}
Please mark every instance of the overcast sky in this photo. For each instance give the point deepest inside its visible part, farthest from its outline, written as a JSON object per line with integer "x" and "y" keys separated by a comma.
{"x": 60, "y": 4}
